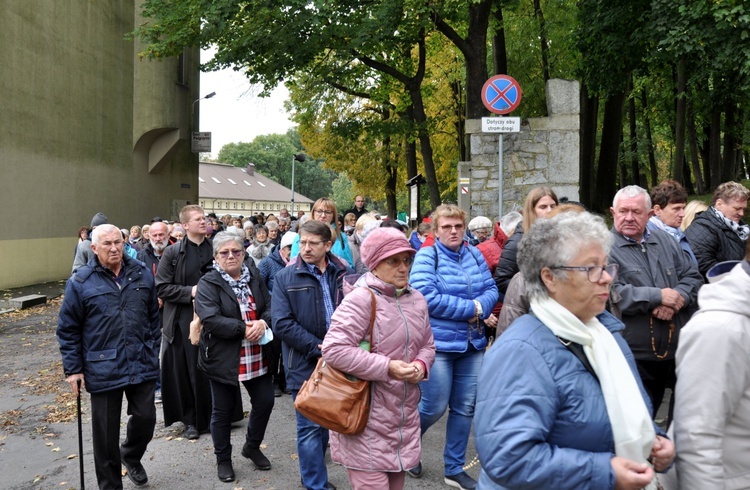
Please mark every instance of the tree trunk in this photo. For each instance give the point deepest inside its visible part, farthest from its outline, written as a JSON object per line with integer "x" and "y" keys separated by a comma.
{"x": 714, "y": 148}
{"x": 622, "y": 166}
{"x": 425, "y": 146}
{"x": 679, "y": 123}
{"x": 635, "y": 165}
{"x": 499, "y": 50}
{"x": 688, "y": 181}
{"x": 649, "y": 139}
{"x": 390, "y": 166}
{"x": 705, "y": 152}
{"x": 609, "y": 152}
{"x": 587, "y": 152}
{"x": 693, "y": 143}
{"x": 410, "y": 147}
{"x": 462, "y": 139}
{"x": 542, "y": 39}
{"x": 728, "y": 170}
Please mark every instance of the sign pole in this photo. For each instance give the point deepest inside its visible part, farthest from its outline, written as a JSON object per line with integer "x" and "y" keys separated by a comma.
{"x": 500, "y": 176}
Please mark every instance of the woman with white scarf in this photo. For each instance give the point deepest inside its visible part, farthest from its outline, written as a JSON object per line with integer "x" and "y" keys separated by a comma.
{"x": 560, "y": 404}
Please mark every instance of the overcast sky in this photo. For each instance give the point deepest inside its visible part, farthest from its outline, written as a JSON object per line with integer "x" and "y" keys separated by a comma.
{"x": 236, "y": 113}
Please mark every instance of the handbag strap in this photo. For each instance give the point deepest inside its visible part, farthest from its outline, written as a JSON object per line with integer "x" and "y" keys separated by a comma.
{"x": 372, "y": 318}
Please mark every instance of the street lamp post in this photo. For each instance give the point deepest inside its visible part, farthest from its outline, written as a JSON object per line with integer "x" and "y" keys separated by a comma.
{"x": 199, "y": 99}
{"x": 300, "y": 157}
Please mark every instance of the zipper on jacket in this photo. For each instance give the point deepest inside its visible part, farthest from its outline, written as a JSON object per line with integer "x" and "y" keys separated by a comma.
{"x": 406, "y": 388}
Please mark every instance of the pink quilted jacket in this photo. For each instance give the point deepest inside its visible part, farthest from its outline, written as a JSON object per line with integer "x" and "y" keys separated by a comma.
{"x": 391, "y": 441}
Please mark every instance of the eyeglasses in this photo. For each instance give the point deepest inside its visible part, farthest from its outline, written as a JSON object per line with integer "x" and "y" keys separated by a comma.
{"x": 448, "y": 228}
{"x": 312, "y": 243}
{"x": 235, "y": 253}
{"x": 593, "y": 272}
{"x": 323, "y": 211}
{"x": 395, "y": 261}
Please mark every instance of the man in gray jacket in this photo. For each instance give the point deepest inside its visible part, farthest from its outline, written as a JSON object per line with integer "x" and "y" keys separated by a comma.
{"x": 659, "y": 288}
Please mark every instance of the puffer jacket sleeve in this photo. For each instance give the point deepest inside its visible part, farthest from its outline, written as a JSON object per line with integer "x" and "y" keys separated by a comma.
{"x": 70, "y": 330}
{"x": 489, "y": 295}
{"x": 209, "y": 308}
{"x": 350, "y": 324}
{"x": 705, "y": 240}
{"x": 441, "y": 304}
{"x": 514, "y": 415}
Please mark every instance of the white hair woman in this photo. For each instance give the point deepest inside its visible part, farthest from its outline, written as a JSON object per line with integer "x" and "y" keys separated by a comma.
{"x": 234, "y": 305}
{"x": 569, "y": 410}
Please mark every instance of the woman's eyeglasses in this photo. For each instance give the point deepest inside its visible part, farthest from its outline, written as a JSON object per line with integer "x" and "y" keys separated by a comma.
{"x": 395, "y": 261}
{"x": 593, "y": 272}
{"x": 323, "y": 211}
{"x": 235, "y": 253}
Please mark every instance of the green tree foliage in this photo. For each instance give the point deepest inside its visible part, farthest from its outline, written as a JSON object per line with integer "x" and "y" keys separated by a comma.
{"x": 272, "y": 156}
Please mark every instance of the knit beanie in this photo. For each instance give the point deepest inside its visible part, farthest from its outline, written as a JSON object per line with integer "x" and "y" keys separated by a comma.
{"x": 382, "y": 243}
{"x": 99, "y": 219}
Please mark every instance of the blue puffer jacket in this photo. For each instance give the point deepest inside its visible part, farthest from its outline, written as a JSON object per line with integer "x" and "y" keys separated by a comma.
{"x": 111, "y": 335}
{"x": 450, "y": 281}
{"x": 540, "y": 419}
{"x": 269, "y": 267}
{"x": 299, "y": 317}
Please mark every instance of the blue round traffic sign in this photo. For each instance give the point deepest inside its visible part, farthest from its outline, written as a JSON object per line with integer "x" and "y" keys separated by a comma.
{"x": 501, "y": 94}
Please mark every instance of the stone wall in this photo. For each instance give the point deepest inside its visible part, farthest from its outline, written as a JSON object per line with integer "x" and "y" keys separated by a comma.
{"x": 544, "y": 152}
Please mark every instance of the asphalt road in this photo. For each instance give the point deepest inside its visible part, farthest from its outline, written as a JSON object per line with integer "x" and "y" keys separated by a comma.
{"x": 38, "y": 452}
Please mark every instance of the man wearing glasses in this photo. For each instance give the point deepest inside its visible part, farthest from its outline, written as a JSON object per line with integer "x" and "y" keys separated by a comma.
{"x": 659, "y": 287}
{"x": 305, "y": 294}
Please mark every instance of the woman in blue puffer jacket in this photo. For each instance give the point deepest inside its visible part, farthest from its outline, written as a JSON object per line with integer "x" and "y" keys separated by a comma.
{"x": 460, "y": 293}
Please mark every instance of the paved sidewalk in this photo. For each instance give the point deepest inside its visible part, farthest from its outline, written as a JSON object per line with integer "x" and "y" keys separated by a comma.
{"x": 38, "y": 453}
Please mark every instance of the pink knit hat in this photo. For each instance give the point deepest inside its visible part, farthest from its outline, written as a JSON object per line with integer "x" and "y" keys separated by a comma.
{"x": 381, "y": 244}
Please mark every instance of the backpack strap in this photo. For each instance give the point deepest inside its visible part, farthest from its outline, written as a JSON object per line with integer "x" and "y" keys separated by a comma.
{"x": 577, "y": 350}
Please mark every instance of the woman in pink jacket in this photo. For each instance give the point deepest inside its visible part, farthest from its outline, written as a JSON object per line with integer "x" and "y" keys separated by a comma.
{"x": 401, "y": 354}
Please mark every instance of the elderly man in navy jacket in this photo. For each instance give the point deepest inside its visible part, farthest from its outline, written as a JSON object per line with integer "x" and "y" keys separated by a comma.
{"x": 109, "y": 340}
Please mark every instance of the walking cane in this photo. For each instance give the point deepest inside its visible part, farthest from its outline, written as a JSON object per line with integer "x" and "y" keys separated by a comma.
{"x": 80, "y": 435}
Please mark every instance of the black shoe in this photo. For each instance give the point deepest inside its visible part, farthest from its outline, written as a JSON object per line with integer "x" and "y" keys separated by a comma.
{"x": 136, "y": 473}
{"x": 225, "y": 471}
{"x": 191, "y": 433}
{"x": 416, "y": 472}
{"x": 461, "y": 480}
{"x": 286, "y": 391}
{"x": 257, "y": 457}
{"x": 276, "y": 391}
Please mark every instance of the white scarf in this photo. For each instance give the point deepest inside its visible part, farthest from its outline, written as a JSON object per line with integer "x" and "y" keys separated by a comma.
{"x": 632, "y": 427}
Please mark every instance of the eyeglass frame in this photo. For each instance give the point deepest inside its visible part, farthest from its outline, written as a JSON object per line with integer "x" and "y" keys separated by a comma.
{"x": 396, "y": 262}
{"x": 224, "y": 254}
{"x": 590, "y": 268}
{"x": 326, "y": 212}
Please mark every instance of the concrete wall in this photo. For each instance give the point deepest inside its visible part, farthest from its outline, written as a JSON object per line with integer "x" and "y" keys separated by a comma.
{"x": 545, "y": 152}
{"x": 81, "y": 129}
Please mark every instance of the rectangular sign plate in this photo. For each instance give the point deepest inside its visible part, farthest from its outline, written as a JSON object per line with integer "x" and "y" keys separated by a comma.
{"x": 501, "y": 124}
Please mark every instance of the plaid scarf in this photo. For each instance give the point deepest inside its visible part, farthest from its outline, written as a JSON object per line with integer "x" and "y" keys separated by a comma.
{"x": 252, "y": 362}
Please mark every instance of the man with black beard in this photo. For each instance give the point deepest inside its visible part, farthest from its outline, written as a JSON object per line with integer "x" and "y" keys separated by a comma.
{"x": 150, "y": 255}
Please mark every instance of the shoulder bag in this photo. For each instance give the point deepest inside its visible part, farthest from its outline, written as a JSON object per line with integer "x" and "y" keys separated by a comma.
{"x": 334, "y": 400}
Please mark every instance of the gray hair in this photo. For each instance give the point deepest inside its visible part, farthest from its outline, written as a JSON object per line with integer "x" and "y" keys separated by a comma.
{"x": 100, "y": 230}
{"x": 509, "y": 222}
{"x": 632, "y": 191}
{"x": 272, "y": 225}
{"x": 224, "y": 237}
{"x": 556, "y": 241}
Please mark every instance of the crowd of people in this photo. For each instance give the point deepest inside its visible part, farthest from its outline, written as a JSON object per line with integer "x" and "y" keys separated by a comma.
{"x": 556, "y": 338}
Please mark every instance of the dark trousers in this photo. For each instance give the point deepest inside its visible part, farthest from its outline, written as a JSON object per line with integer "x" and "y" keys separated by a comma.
{"x": 657, "y": 376}
{"x": 225, "y": 400}
{"x": 275, "y": 363}
{"x": 105, "y": 423}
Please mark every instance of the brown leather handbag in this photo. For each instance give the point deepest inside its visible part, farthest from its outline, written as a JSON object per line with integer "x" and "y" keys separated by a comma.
{"x": 335, "y": 400}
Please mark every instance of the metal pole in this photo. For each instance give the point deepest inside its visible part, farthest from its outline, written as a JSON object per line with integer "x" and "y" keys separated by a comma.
{"x": 500, "y": 176}
{"x": 294, "y": 159}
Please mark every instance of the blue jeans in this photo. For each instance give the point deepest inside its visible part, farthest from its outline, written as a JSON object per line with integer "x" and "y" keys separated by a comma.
{"x": 452, "y": 383}
{"x": 312, "y": 441}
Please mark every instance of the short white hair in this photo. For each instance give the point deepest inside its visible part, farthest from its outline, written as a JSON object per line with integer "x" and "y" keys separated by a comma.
{"x": 96, "y": 235}
{"x": 632, "y": 191}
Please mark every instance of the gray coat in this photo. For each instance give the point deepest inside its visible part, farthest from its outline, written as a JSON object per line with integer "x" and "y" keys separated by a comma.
{"x": 645, "y": 269}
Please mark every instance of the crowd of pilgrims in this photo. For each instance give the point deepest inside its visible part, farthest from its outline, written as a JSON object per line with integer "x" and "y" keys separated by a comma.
{"x": 555, "y": 336}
